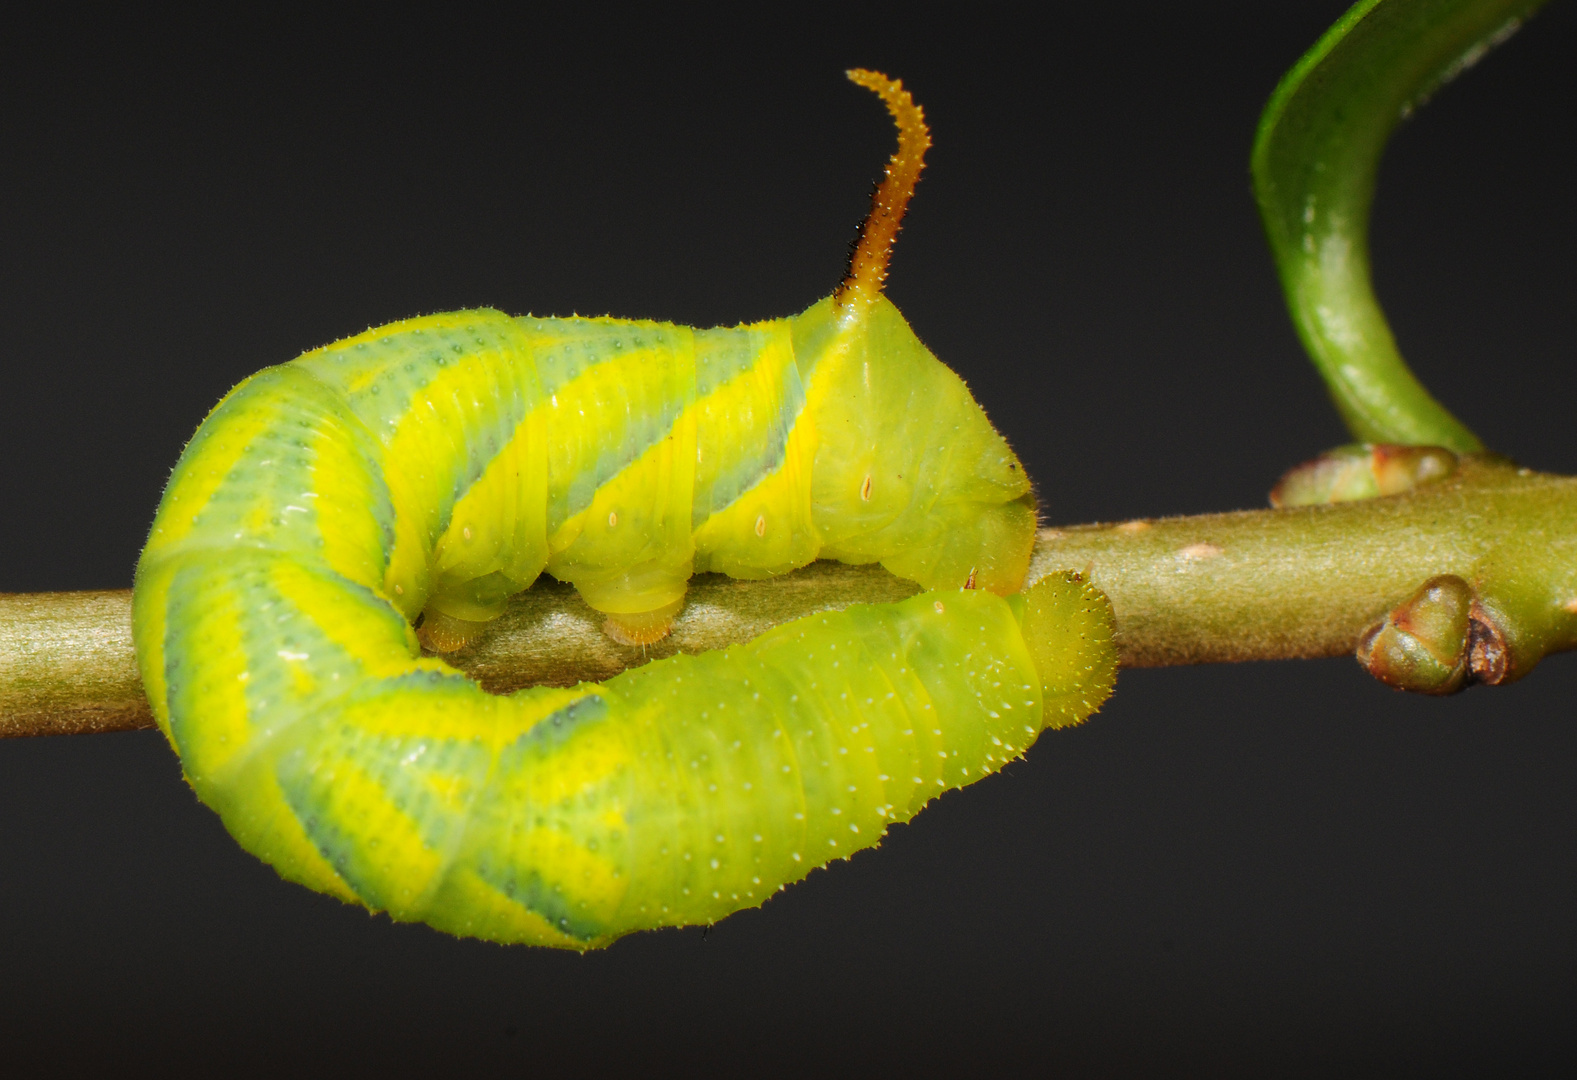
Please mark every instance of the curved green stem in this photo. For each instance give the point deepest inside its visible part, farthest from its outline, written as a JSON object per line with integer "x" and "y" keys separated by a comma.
{"x": 1315, "y": 157}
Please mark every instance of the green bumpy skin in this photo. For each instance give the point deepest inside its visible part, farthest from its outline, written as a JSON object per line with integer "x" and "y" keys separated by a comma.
{"x": 439, "y": 465}
{"x": 669, "y": 795}
{"x": 618, "y": 456}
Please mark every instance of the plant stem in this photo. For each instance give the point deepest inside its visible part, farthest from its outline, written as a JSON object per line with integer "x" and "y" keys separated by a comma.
{"x": 1307, "y": 581}
{"x": 1315, "y": 159}
{"x": 1252, "y": 585}
{"x": 67, "y": 664}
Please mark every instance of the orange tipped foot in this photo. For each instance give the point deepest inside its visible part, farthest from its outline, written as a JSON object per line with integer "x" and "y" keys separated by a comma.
{"x": 642, "y": 627}
{"x": 442, "y": 633}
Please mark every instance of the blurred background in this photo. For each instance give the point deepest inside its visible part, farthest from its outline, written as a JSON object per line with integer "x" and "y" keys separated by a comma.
{"x": 1278, "y": 867}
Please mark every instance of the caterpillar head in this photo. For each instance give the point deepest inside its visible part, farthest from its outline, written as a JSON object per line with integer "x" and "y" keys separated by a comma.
{"x": 1070, "y": 631}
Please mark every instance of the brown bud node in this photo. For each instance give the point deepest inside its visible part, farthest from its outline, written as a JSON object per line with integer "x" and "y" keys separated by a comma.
{"x": 1489, "y": 657}
{"x": 1362, "y": 471}
{"x": 1423, "y": 645}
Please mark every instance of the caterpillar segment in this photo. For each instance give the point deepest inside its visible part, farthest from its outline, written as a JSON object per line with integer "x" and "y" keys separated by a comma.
{"x": 392, "y": 490}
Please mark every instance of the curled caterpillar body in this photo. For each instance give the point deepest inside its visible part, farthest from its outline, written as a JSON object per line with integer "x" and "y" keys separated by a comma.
{"x": 673, "y": 794}
{"x": 423, "y": 471}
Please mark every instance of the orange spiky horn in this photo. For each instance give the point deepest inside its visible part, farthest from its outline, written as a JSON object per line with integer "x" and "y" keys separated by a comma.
{"x": 868, "y": 263}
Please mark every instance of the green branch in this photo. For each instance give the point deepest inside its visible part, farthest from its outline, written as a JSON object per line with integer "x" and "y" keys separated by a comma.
{"x": 1254, "y": 585}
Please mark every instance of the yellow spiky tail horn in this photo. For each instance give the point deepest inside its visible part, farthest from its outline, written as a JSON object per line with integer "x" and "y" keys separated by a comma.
{"x": 868, "y": 263}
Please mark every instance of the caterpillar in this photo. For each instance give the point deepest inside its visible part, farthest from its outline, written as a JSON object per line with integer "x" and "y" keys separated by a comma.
{"x": 335, "y": 514}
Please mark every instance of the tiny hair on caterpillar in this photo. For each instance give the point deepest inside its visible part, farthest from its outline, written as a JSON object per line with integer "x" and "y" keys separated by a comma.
{"x": 339, "y": 522}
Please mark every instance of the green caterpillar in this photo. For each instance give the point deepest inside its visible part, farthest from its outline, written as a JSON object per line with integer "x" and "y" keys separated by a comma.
{"x": 417, "y": 475}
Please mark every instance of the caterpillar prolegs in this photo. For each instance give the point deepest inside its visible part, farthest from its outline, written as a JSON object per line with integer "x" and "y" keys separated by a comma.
{"x": 424, "y": 471}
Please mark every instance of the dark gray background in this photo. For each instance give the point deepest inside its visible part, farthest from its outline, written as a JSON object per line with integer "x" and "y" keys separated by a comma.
{"x": 1280, "y": 867}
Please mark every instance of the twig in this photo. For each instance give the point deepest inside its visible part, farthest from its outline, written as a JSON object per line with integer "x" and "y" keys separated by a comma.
{"x": 1251, "y": 585}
